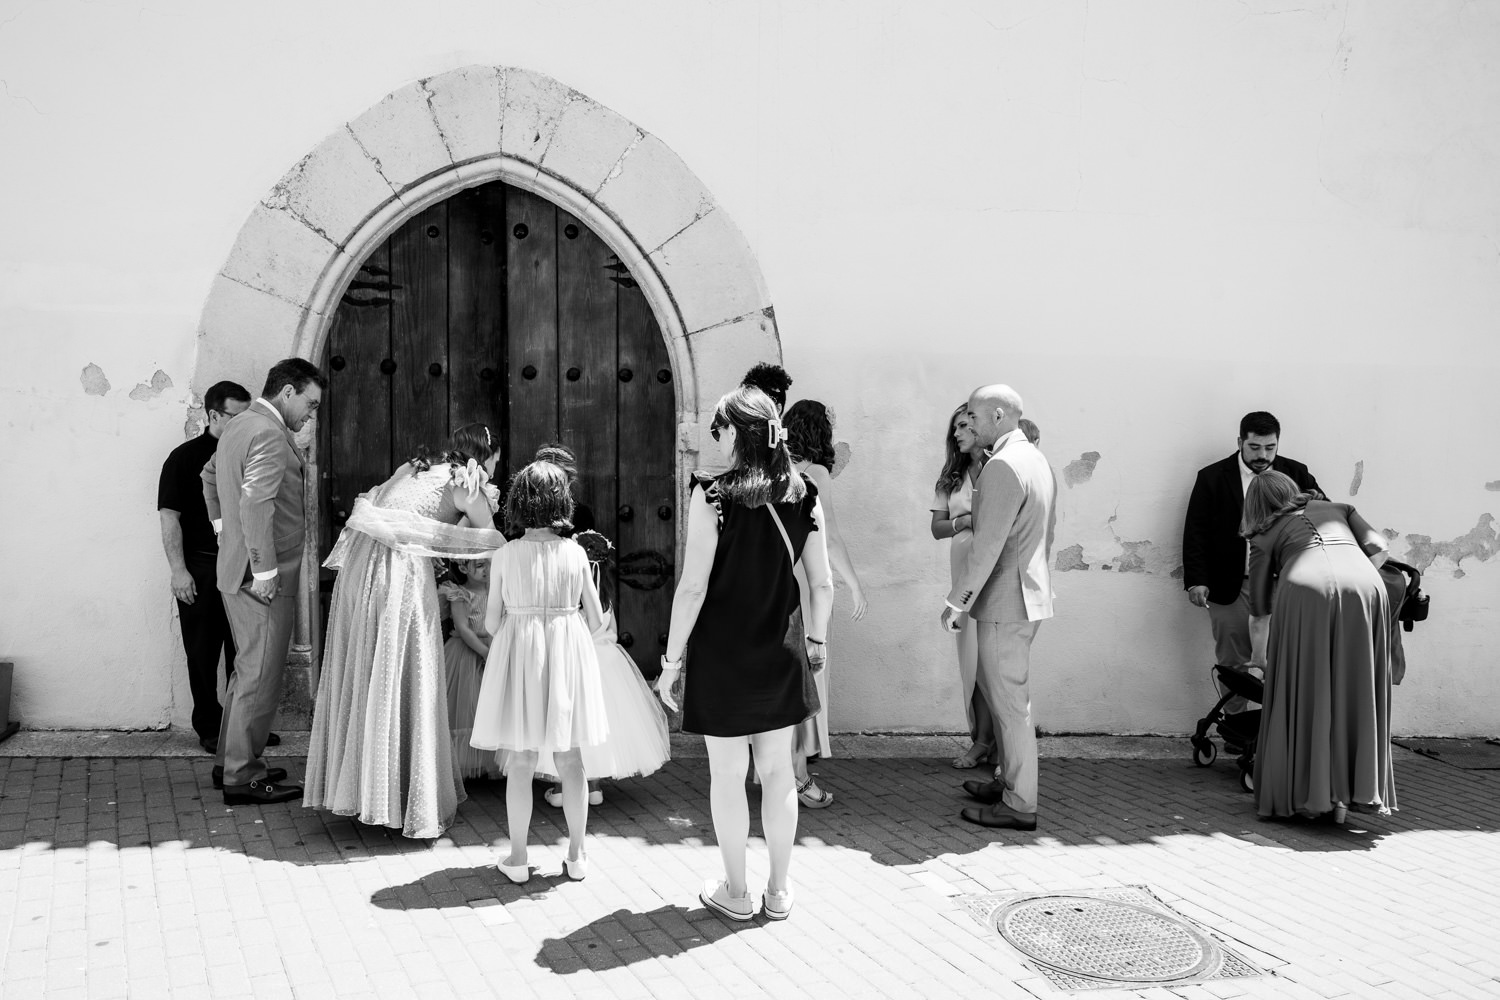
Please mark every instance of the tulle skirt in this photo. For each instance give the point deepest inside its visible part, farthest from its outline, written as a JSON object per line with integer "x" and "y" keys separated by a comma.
{"x": 637, "y": 743}
{"x": 541, "y": 688}
{"x": 380, "y": 749}
{"x": 465, "y": 670}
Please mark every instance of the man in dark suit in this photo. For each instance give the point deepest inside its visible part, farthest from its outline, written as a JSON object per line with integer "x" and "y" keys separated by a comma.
{"x": 1214, "y": 556}
{"x": 253, "y": 488}
{"x": 192, "y": 554}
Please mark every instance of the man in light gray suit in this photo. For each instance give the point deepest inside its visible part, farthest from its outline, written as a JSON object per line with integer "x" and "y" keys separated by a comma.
{"x": 1006, "y": 588}
{"x": 253, "y": 486}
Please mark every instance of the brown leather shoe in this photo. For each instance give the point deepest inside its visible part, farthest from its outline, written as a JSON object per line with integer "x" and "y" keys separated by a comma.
{"x": 987, "y": 792}
{"x": 272, "y": 774}
{"x": 1000, "y": 816}
{"x": 260, "y": 792}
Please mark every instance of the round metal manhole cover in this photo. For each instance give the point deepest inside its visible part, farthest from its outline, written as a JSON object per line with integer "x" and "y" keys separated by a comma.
{"x": 1105, "y": 939}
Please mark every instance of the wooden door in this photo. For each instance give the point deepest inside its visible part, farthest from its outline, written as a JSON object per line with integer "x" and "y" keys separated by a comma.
{"x": 498, "y": 306}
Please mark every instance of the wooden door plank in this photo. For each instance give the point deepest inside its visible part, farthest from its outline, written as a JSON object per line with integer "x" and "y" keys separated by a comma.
{"x": 476, "y": 317}
{"x": 419, "y": 333}
{"x": 357, "y": 414}
{"x": 647, "y": 426}
{"x": 531, "y": 323}
{"x": 586, "y": 362}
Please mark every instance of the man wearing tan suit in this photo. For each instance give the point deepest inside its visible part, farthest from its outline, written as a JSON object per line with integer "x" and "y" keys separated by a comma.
{"x": 1006, "y": 589}
{"x": 253, "y": 486}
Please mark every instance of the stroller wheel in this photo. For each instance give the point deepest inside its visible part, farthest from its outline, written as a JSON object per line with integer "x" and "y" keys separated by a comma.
{"x": 1247, "y": 781}
{"x": 1204, "y": 753}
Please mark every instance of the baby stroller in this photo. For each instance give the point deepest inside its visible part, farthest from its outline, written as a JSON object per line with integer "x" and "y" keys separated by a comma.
{"x": 1237, "y": 731}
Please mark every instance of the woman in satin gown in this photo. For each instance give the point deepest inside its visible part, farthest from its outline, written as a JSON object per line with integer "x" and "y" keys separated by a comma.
{"x": 1325, "y": 727}
{"x": 380, "y": 749}
{"x": 953, "y": 517}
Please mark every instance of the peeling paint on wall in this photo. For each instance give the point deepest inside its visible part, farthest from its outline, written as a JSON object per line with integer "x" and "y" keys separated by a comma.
{"x": 1359, "y": 477}
{"x": 1481, "y": 542}
{"x": 196, "y": 418}
{"x": 1070, "y": 558}
{"x": 150, "y": 390}
{"x": 1081, "y": 469}
{"x": 94, "y": 382}
{"x": 842, "y": 453}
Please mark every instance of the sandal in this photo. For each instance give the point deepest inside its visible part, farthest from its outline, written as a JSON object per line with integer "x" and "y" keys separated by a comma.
{"x": 972, "y": 757}
{"x": 813, "y": 797}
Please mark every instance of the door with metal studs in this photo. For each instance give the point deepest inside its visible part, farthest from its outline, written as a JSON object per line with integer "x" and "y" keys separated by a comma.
{"x": 496, "y": 305}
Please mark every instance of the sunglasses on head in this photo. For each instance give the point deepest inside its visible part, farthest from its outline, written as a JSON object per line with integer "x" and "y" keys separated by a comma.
{"x": 714, "y": 432}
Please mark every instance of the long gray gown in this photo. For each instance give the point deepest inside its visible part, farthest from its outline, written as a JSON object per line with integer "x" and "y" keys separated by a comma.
{"x": 1325, "y": 732}
{"x": 380, "y": 748}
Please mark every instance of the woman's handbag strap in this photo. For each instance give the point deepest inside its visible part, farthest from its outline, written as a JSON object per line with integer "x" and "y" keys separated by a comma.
{"x": 784, "y": 536}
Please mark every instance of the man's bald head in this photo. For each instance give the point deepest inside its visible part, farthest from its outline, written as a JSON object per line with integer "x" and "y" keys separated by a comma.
{"x": 994, "y": 411}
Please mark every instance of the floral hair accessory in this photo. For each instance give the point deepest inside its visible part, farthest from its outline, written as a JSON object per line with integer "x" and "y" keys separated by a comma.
{"x": 775, "y": 433}
{"x": 595, "y": 545}
{"x": 471, "y": 476}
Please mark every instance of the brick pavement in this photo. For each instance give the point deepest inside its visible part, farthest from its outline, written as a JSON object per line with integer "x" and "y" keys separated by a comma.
{"x": 128, "y": 877}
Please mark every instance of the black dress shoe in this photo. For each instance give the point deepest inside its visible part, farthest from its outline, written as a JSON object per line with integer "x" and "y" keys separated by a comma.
{"x": 272, "y": 774}
{"x": 209, "y": 746}
{"x": 985, "y": 791}
{"x": 260, "y": 792}
{"x": 1000, "y": 816}
{"x": 272, "y": 740}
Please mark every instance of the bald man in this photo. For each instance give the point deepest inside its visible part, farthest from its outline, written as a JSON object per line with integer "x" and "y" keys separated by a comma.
{"x": 1006, "y": 588}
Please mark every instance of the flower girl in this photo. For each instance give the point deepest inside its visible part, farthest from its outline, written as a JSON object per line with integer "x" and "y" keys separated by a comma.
{"x": 541, "y": 691}
{"x": 637, "y": 743}
{"x": 464, "y": 653}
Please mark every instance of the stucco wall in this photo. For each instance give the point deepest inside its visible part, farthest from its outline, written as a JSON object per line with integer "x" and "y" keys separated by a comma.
{"x": 1149, "y": 219}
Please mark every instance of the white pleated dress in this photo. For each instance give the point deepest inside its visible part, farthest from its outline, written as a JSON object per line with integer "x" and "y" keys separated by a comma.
{"x": 541, "y": 689}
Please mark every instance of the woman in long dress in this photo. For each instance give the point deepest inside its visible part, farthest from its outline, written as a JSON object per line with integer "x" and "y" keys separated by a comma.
{"x": 380, "y": 748}
{"x": 953, "y": 517}
{"x": 748, "y": 675}
{"x": 809, "y": 438}
{"x": 1325, "y": 727}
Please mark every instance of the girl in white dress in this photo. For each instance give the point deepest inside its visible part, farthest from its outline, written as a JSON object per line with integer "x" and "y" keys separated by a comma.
{"x": 541, "y": 691}
{"x": 638, "y": 744}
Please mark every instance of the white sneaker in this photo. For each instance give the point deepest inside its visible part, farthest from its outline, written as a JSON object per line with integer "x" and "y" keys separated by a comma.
{"x": 596, "y": 797}
{"x": 715, "y": 895}
{"x": 777, "y": 905}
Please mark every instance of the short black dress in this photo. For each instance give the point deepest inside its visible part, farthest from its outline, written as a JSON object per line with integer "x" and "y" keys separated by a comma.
{"x": 744, "y": 673}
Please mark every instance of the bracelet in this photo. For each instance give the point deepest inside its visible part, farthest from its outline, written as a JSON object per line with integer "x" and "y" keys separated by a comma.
{"x": 667, "y": 664}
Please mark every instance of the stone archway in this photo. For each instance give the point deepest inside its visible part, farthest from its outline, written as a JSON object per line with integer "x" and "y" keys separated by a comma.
{"x": 294, "y": 257}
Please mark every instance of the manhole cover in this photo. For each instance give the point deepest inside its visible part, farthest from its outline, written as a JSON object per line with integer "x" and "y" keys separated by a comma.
{"x": 1105, "y": 939}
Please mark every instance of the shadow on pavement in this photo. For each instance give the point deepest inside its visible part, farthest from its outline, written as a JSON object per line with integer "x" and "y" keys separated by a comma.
{"x": 466, "y": 886}
{"x": 899, "y": 811}
{"x": 625, "y": 937}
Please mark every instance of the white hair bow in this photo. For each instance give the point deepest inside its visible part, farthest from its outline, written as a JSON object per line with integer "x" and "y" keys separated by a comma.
{"x": 775, "y": 433}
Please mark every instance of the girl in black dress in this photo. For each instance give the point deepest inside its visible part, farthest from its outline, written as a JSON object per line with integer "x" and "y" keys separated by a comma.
{"x": 737, "y": 601}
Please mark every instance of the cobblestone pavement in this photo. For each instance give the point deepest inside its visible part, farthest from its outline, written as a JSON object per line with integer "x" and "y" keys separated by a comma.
{"x": 128, "y": 877}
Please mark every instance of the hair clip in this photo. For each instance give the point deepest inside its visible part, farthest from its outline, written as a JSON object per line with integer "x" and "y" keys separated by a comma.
{"x": 775, "y": 433}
